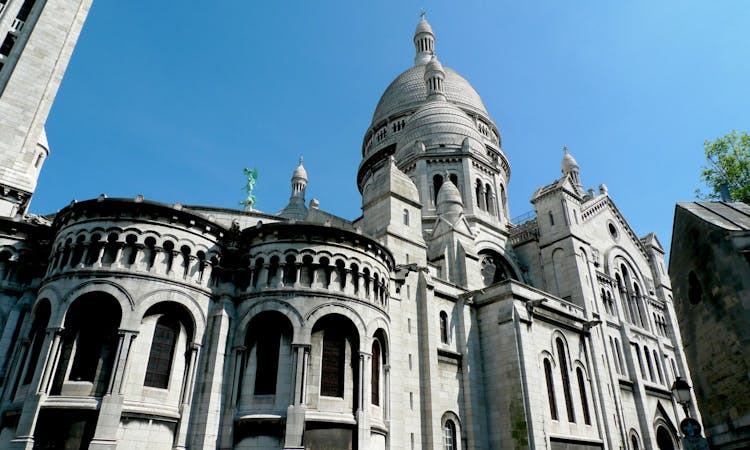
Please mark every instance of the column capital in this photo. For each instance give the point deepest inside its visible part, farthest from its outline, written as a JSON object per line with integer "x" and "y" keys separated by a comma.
{"x": 239, "y": 348}
{"x": 55, "y": 330}
{"x": 303, "y": 346}
{"x": 122, "y": 332}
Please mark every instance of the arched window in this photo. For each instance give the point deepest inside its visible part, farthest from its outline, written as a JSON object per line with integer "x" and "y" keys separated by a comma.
{"x": 664, "y": 439}
{"x": 160, "y": 359}
{"x": 503, "y": 201}
{"x": 658, "y": 367}
{"x": 444, "y": 334}
{"x": 478, "y": 194}
{"x": 648, "y": 364}
{"x": 634, "y": 441}
{"x": 36, "y": 336}
{"x": 332, "y": 372}
{"x": 565, "y": 380}
{"x": 267, "y": 357}
{"x": 614, "y": 356}
{"x": 619, "y": 357}
{"x": 454, "y": 179}
{"x": 437, "y": 181}
{"x": 584, "y": 398}
{"x": 405, "y": 216}
{"x": 375, "y": 378}
{"x": 550, "y": 389}
{"x": 488, "y": 198}
{"x": 449, "y": 435}
{"x": 637, "y": 351}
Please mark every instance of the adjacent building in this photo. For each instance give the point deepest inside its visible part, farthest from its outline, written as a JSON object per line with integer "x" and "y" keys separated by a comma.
{"x": 710, "y": 268}
{"x": 431, "y": 321}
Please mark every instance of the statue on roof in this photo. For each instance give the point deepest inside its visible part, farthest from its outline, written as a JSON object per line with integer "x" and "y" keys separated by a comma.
{"x": 250, "y": 199}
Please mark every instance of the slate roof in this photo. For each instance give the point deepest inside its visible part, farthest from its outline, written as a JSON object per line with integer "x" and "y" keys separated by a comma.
{"x": 730, "y": 216}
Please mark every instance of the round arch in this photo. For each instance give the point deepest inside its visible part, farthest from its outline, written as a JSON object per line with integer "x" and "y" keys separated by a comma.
{"x": 194, "y": 309}
{"x": 277, "y": 305}
{"x": 336, "y": 308}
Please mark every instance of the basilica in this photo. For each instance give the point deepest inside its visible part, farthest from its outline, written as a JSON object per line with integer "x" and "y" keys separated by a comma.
{"x": 432, "y": 321}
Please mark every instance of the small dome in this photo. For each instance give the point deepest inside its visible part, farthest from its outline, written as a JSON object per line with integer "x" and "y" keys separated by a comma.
{"x": 433, "y": 66}
{"x": 449, "y": 199}
{"x": 423, "y": 27}
{"x": 568, "y": 162}
{"x": 300, "y": 171}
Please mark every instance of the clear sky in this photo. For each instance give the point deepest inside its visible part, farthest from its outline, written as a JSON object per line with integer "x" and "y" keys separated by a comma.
{"x": 173, "y": 99}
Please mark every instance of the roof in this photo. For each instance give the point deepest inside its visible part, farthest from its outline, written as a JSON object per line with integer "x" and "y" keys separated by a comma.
{"x": 730, "y": 216}
{"x": 409, "y": 91}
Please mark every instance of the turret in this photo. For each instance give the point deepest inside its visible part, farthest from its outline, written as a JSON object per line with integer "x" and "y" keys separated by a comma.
{"x": 434, "y": 77}
{"x": 424, "y": 42}
{"x": 569, "y": 166}
{"x": 296, "y": 208}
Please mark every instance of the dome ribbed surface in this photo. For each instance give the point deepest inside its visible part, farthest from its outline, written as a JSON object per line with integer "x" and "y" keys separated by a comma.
{"x": 568, "y": 163}
{"x": 423, "y": 27}
{"x": 409, "y": 91}
{"x": 440, "y": 122}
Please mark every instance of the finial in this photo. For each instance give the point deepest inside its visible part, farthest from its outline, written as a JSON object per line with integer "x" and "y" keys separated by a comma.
{"x": 565, "y": 148}
{"x": 301, "y": 159}
{"x": 422, "y": 14}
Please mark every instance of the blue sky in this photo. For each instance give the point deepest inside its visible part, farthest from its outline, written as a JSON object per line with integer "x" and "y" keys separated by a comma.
{"x": 172, "y": 100}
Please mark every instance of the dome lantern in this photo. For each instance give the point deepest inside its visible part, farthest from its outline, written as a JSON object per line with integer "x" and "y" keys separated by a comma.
{"x": 299, "y": 181}
{"x": 434, "y": 77}
{"x": 569, "y": 166}
{"x": 424, "y": 41}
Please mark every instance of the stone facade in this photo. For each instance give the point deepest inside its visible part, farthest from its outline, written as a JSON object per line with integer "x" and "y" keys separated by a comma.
{"x": 431, "y": 321}
{"x": 712, "y": 297}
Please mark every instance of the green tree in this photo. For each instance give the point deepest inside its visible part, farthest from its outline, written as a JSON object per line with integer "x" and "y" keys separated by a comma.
{"x": 727, "y": 162}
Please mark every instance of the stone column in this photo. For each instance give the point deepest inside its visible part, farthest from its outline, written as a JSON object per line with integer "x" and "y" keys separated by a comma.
{"x": 54, "y": 356}
{"x": 32, "y": 404}
{"x": 5, "y": 341}
{"x": 110, "y": 411}
{"x": 14, "y": 372}
{"x": 364, "y": 391}
{"x": 295, "y": 413}
{"x": 99, "y": 254}
{"x": 231, "y": 402}
{"x": 211, "y": 386}
{"x": 188, "y": 385}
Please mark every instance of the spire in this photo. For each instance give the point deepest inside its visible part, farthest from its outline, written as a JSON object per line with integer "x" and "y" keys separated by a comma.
{"x": 299, "y": 181}
{"x": 296, "y": 208}
{"x": 434, "y": 77}
{"x": 424, "y": 41}
{"x": 569, "y": 166}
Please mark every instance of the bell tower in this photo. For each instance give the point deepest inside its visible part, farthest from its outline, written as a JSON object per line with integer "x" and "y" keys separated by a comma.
{"x": 37, "y": 38}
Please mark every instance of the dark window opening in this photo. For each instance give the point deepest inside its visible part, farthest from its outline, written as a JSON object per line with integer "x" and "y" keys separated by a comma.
{"x": 25, "y": 10}
{"x": 584, "y": 401}
{"x": 7, "y": 45}
{"x": 443, "y": 327}
{"x": 449, "y": 435}
{"x": 162, "y": 352}
{"x": 550, "y": 389}
{"x": 267, "y": 357}
{"x": 437, "y": 182}
{"x": 332, "y": 371}
{"x": 565, "y": 380}
{"x": 375, "y": 379}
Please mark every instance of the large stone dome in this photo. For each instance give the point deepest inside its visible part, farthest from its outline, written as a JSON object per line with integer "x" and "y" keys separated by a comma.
{"x": 440, "y": 122}
{"x": 408, "y": 91}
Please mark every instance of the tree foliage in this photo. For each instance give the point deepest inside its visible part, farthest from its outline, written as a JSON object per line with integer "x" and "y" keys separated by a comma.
{"x": 727, "y": 162}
